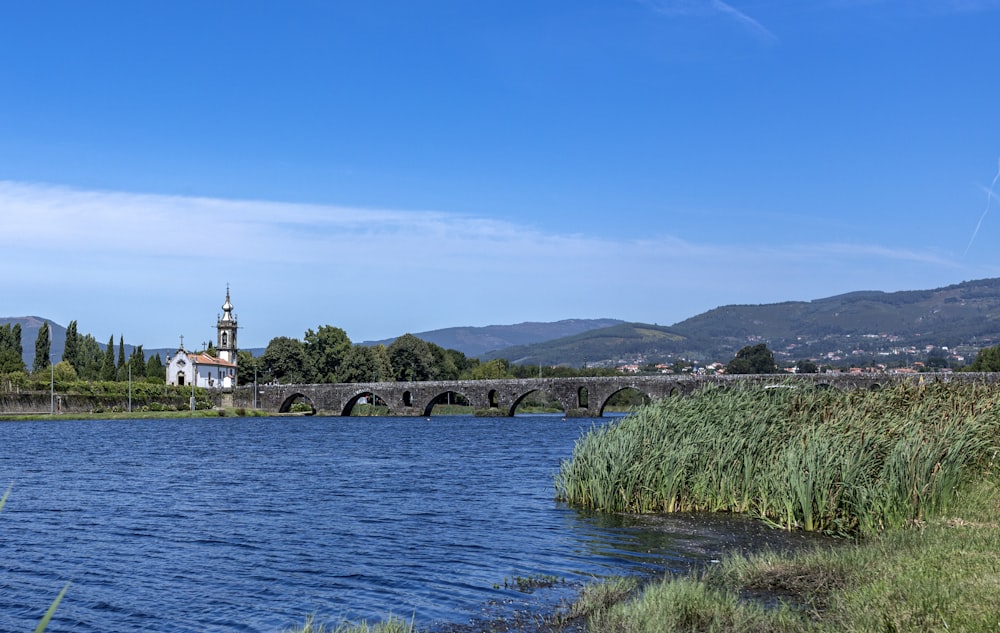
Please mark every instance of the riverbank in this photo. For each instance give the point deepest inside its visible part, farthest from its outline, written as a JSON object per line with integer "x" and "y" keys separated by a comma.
{"x": 907, "y": 476}
{"x": 135, "y": 415}
{"x": 938, "y": 575}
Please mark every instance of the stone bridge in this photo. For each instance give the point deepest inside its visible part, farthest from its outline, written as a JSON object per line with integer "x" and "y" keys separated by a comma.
{"x": 580, "y": 397}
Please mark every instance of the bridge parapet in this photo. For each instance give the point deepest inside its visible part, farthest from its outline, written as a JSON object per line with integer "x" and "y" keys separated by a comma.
{"x": 580, "y": 397}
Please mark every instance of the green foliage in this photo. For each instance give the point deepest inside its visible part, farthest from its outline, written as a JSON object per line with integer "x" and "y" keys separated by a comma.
{"x": 411, "y": 359}
{"x": 121, "y": 370}
{"x": 326, "y": 348}
{"x": 71, "y": 350}
{"x": 42, "y": 347}
{"x": 941, "y": 577}
{"x": 10, "y": 349}
{"x": 250, "y": 367}
{"x": 988, "y": 359}
{"x": 825, "y": 460}
{"x": 364, "y": 364}
{"x": 285, "y": 361}
{"x": 753, "y": 359}
{"x": 807, "y": 367}
{"x": 108, "y": 369}
{"x": 91, "y": 358}
{"x": 63, "y": 372}
{"x": 390, "y": 625}
{"x": 492, "y": 370}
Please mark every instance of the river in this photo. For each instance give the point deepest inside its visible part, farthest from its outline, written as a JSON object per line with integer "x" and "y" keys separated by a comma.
{"x": 255, "y": 524}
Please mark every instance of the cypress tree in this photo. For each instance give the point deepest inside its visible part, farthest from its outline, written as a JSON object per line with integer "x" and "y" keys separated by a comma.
{"x": 71, "y": 352}
{"x": 42, "y": 347}
{"x": 155, "y": 368}
{"x": 10, "y": 351}
{"x": 18, "y": 347}
{"x": 108, "y": 367}
{"x": 138, "y": 362}
{"x": 121, "y": 370}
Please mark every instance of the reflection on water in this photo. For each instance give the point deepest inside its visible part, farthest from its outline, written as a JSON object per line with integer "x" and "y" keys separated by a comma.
{"x": 255, "y": 524}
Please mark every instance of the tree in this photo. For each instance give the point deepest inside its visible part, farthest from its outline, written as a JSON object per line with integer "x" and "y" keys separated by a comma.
{"x": 71, "y": 351}
{"x": 361, "y": 364}
{"x": 90, "y": 358}
{"x": 64, "y": 372}
{"x": 326, "y": 349}
{"x": 384, "y": 364}
{"x": 108, "y": 365}
{"x": 411, "y": 358}
{"x": 155, "y": 368}
{"x": 753, "y": 359}
{"x": 805, "y": 366}
{"x": 137, "y": 361}
{"x": 285, "y": 361}
{"x": 444, "y": 363}
{"x": 988, "y": 359}
{"x": 42, "y": 347}
{"x": 249, "y": 367}
{"x": 121, "y": 371}
{"x": 10, "y": 349}
{"x": 492, "y": 370}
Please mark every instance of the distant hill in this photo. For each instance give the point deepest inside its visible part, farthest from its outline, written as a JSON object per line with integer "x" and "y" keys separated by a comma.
{"x": 857, "y": 327}
{"x": 619, "y": 343}
{"x": 29, "y": 334}
{"x": 476, "y": 341}
{"x": 965, "y": 314}
{"x": 860, "y": 325}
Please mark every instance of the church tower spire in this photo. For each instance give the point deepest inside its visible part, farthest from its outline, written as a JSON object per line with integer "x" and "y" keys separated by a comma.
{"x": 227, "y": 327}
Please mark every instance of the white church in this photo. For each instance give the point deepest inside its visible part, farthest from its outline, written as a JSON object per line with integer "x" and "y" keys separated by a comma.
{"x": 208, "y": 371}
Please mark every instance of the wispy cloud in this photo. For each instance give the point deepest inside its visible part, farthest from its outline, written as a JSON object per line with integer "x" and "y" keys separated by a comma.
{"x": 705, "y": 8}
{"x": 121, "y": 262}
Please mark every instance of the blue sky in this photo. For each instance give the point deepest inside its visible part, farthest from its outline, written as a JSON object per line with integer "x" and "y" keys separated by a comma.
{"x": 391, "y": 167}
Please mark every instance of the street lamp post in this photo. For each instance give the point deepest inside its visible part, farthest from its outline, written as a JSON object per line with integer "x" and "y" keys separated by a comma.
{"x": 194, "y": 381}
{"x": 52, "y": 378}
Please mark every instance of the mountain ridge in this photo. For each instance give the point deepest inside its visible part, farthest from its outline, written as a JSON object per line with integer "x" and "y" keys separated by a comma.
{"x": 861, "y": 326}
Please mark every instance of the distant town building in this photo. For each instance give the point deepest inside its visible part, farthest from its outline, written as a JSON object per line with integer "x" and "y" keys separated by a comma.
{"x": 208, "y": 371}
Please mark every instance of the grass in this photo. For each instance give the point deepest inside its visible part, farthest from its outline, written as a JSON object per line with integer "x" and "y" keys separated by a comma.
{"x": 909, "y": 474}
{"x": 137, "y": 415}
{"x": 943, "y": 575}
{"x": 843, "y": 463}
{"x": 390, "y": 625}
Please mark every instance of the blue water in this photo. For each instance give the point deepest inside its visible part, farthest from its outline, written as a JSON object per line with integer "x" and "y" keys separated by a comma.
{"x": 255, "y": 524}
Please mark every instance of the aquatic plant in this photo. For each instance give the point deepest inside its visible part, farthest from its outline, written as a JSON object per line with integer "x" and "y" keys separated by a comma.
{"x": 390, "y": 625}
{"x": 820, "y": 460}
{"x": 942, "y": 577}
{"x": 530, "y": 583}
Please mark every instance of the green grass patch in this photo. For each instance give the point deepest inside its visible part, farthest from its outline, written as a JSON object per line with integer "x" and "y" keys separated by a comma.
{"x": 856, "y": 462}
{"x": 942, "y": 575}
{"x": 909, "y": 473}
{"x": 235, "y": 412}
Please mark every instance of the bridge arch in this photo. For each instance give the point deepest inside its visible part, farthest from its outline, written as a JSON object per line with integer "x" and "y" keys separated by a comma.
{"x": 449, "y": 396}
{"x": 298, "y": 397}
{"x": 551, "y": 396}
{"x": 636, "y": 394}
{"x": 372, "y": 398}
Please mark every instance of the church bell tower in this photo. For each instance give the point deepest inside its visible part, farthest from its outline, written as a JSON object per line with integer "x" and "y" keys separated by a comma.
{"x": 227, "y": 332}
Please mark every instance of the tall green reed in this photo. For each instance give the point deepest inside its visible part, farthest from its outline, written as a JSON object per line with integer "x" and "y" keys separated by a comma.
{"x": 819, "y": 460}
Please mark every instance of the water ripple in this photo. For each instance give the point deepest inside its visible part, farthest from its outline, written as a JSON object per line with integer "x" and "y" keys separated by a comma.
{"x": 256, "y": 524}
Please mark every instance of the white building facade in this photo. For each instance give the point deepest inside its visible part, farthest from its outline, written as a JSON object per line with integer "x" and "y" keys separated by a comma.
{"x": 207, "y": 371}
